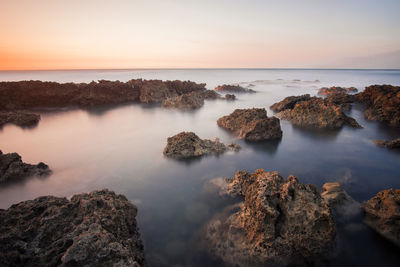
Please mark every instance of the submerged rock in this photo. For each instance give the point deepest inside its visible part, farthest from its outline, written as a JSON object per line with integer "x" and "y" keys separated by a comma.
{"x": 393, "y": 144}
{"x": 383, "y": 103}
{"x": 191, "y": 100}
{"x": 230, "y": 97}
{"x": 94, "y": 229}
{"x": 327, "y": 91}
{"x": 382, "y": 213}
{"x": 18, "y": 118}
{"x": 317, "y": 113}
{"x": 234, "y": 89}
{"x": 280, "y": 222}
{"x": 252, "y": 124}
{"x": 13, "y": 169}
{"x": 188, "y": 144}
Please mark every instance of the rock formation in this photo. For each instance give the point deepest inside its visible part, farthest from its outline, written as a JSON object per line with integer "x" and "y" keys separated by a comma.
{"x": 234, "y": 89}
{"x": 94, "y": 229}
{"x": 21, "y": 119}
{"x": 13, "y": 169}
{"x": 382, "y": 213}
{"x": 325, "y": 91}
{"x": 230, "y": 97}
{"x": 252, "y": 124}
{"x": 393, "y": 144}
{"x": 188, "y": 101}
{"x": 280, "y": 222}
{"x": 188, "y": 145}
{"x": 288, "y": 102}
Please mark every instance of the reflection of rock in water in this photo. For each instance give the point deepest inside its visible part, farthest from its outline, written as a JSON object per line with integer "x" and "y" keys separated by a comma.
{"x": 269, "y": 146}
{"x": 317, "y": 134}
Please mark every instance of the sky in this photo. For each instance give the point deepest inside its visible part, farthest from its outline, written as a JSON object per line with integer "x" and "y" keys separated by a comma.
{"x": 118, "y": 34}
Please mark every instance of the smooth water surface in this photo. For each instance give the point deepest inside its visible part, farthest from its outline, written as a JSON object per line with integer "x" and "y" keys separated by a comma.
{"x": 120, "y": 148}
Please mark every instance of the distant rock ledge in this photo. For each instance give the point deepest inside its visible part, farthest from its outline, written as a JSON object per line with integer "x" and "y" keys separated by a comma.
{"x": 234, "y": 89}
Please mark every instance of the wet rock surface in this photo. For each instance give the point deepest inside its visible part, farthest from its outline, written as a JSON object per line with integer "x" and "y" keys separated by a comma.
{"x": 94, "y": 229}
{"x": 383, "y": 103}
{"x": 393, "y": 144}
{"x": 316, "y": 113}
{"x": 13, "y": 169}
{"x": 189, "y": 101}
{"x": 252, "y": 124}
{"x": 18, "y": 118}
{"x": 234, "y": 89}
{"x": 280, "y": 222}
{"x": 382, "y": 213}
{"x": 188, "y": 144}
{"x": 327, "y": 91}
{"x": 289, "y": 102}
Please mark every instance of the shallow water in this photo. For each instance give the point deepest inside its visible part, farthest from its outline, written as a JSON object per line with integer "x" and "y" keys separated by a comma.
{"x": 120, "y": 148}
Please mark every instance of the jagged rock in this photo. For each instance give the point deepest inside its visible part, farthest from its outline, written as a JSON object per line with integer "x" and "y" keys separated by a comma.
{"x": 280, "y": 222}
{"x": 252, "y": 124}
{"x": 211, "y": 94}
{"x": 382, "y": 213}
{"x": 188, "y": 144}
{"x": 289, "y": 102}
{"x": 317, "y": 113}
{"x": 383, "y": 103}
{"x": 191, "y": 100}
{"x": 234, "y": 89}
{"x": 13, "y": 169}
{"x": 230, "y": 97}
{"x": 325, "y": 91}
{"x": 21, "y": 119}
{"x": 393, "y": 144}
{"x": 94, "y": 229}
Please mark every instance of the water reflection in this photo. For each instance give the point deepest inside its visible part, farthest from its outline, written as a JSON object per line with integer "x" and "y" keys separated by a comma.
{"x": 269, "y": 147}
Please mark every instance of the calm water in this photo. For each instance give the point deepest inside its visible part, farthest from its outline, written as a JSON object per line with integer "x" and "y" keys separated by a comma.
{"x": 120, "y": 148}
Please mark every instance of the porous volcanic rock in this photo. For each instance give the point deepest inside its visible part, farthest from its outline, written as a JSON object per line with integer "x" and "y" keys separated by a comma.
{"x": 382, "y": 213}
{"x": 188, "y": 145}
{"x": 317, "y": 113}
{"x": 252, "y": 124}
{"x": 280, "y": 222}
{"x": 94, "y": 229}
{"x": 288, "y": 102}
{"x": 18, "y": 118}
{"x": 327, "y": 91}
{"x": 393, "y": 144}
{"x": 12, "y": 168}
{"x": 233, "y": 89}
{"x": 383, "y": 103}
{"x": 191, "y": 100}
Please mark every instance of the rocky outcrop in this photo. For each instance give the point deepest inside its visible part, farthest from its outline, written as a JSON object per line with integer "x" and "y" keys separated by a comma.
{"x": 317, "y": 113}
{"x": 252, "y": 124}
{"x": 230, "y": 97}
{"x": 234, "y": 89}
{"x": 393, "y": 144}
{"x": 188, "y": 101}
{"x": 383, "y": 103}
{"x": 327, "y": 91}
{"x": 12, "y": 168}
{"x": 188, "y": 145}
{"x": 382, "y": 213}
{"x": 288, "y": 102}
{"x": 94, "y": 229}
{"x": 211, "y": 95}
{"x": 280, "y": 222}
{"x": 21, "y": 119}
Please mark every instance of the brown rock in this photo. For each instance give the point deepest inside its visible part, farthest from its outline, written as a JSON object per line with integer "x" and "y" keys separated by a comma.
{"x": 325, "y": 91}
{"x": 18, "y": 118}
{"x": 230, "y": 97}
{"x": 234, "y": 89}
{"x": 280, "y": 222}
{"x": 94, "y": 229}
{"x": 394, "y": 144}
{"x": 382, "y": 213}
{"x": 188, "y": 101}
{"x": 252, "y": 124}
{"x": 289, "y": 102}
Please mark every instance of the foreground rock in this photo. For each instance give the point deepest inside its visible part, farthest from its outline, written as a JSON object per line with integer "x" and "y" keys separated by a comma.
{"x": 382, "y": 213}
{"x": 234, "y": 89}
{"x": 314, "y": 113}
{"x": 383, "y": 103}
{"x": 252, "y": 124}
{"x": 94, "y": 229}
{"x": 280, "y": 222}
{"x": 13, "y": 169}
{"x": 327, "y": 91}
{"x": 188, "y": 145}
{"x": 394, "y": 144}
{"x": 289, "y": 102}
{"x": 21, "y": 119}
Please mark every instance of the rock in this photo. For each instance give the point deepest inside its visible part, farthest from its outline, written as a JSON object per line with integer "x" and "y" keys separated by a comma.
{"x": 188, "y": 144}
{"x": 252, "y": 124}
{"x": 280, "y": 222}
{"x": 382, "y": 213}
{"x": 234, "y": 89}
{"x": 317, "y": 113}
{"x": 21, "y": 119}
{"x": 230, "y": 97}
{"x": 394, "y": 144}
{"x": 235, "y": 147}
{"x": 191, "y": 100}
{"x": 289, "y": 102}
{"x": 325, "y": 91}
{"x": 211, "y": 95}
{"x": 94, "y": 229}
{"x": 383, "y": 103}
{"x": 13, "y": 169}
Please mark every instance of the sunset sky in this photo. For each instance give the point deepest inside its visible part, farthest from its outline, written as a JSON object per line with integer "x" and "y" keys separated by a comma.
{"x": 93, "y": 34}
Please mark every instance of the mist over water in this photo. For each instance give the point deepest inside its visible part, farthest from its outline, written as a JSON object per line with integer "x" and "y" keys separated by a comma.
{"x": 120, "y": 148}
